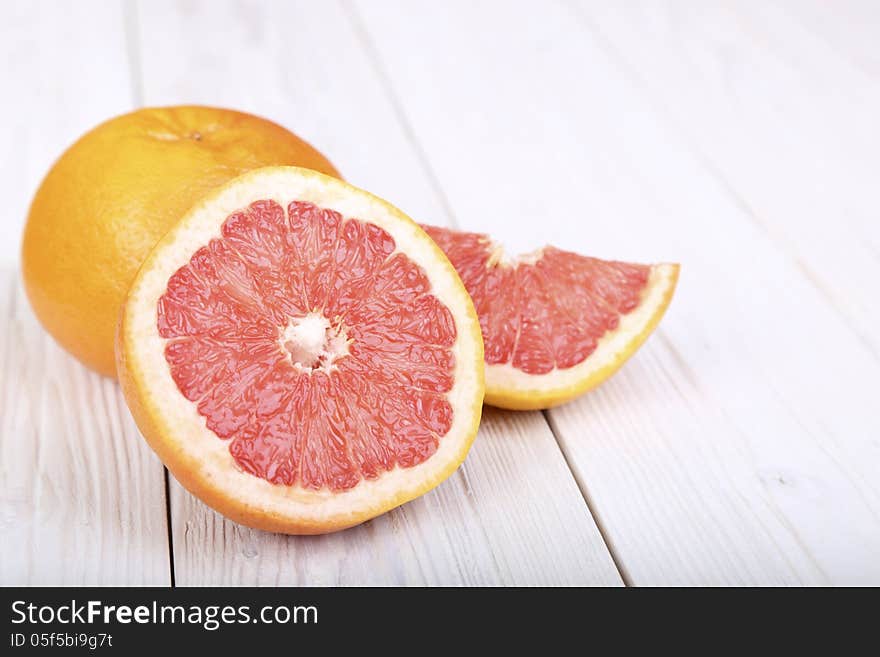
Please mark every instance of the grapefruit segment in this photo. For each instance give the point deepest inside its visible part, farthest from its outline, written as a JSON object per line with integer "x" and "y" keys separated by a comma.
{"x": 300, "y": 354}
{"x": 555, "y": 324}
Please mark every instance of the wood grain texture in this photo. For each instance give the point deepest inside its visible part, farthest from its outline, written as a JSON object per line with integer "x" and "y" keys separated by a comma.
{"x": 513, "y": 513}
{"x": 738, "y": 446}
{"x": 787, "y": 127}
{"x": 82, "y": 498}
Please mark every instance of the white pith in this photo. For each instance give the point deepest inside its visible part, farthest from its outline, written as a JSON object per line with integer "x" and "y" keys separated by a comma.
{"x": 506, "y": 378}
{"x": 500, "y": 256}
{"x": 312, "y": 342}
{"x": 206, "y": 456}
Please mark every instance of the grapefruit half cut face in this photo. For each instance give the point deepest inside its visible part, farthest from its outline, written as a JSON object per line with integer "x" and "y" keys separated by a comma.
{"x": 300, "y": 354}
{"x": 555, "y": 324}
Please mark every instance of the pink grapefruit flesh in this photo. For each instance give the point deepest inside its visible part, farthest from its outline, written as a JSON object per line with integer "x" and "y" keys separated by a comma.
{"x": 364, "y": 397}
{"x": 549, "y": 318}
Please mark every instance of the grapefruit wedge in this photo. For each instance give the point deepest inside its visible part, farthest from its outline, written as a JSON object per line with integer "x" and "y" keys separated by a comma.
{"x": 555, "y": 324}
{"x": 300, "y": 354}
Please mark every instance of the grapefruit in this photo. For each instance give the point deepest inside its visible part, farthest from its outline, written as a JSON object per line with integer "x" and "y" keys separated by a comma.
{"x": 115, "y": 192}
{"x": 555, "y": 324}
{"x": 300, "y": 354}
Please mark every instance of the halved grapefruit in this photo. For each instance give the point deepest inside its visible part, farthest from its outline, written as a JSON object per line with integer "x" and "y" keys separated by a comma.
{"x": 555, "y": 324}
{"x": 300, "y": 354}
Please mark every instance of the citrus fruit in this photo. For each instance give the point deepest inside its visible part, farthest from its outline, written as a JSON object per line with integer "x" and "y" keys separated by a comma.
{"x": 555, "y": 324}
{"x": 300, "y": 354}
{"x": 115, "y": 192}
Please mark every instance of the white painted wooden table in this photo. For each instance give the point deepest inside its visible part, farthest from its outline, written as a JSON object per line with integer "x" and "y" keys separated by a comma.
{"x": 740, "y": 446}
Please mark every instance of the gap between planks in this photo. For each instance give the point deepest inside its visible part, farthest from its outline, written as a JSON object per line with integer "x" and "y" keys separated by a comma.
{"x": 585, "y": 493}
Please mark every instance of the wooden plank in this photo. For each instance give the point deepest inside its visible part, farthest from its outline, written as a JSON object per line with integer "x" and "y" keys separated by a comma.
{"x": 82, "y": 497}
{"x": 787, "y": 123}
{"x": 735, "y": 448}
{"x": 513, "y": 513}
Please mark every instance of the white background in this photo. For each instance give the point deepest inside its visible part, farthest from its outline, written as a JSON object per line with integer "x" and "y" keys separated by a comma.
{"x": 740, "y": 446}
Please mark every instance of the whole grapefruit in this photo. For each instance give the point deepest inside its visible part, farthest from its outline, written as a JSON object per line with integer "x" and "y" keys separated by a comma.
{"x": 113, "y": 194}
